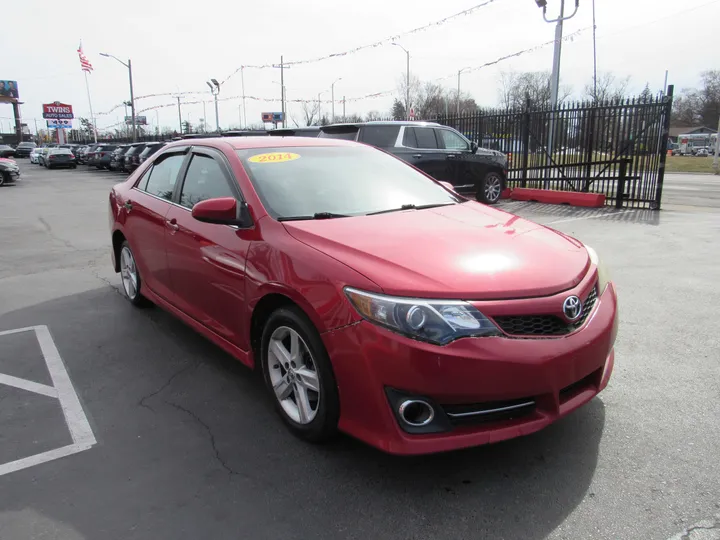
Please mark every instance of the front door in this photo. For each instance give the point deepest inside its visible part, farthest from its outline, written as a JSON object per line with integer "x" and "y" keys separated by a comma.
{"x": 146, "y": 207}
{"x": 420, "y": 148}
{"x": 206, "y": 260}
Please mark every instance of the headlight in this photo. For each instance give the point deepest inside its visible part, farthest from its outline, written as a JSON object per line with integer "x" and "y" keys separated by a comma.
{"x": 435, "y": 321}
{"x": 603, "y": 274}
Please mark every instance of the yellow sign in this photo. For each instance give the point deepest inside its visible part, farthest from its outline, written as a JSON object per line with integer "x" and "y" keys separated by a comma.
{"x": 274, "y": 157}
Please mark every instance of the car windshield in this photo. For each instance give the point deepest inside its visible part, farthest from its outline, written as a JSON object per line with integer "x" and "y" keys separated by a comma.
{"x": 293, "y": 182}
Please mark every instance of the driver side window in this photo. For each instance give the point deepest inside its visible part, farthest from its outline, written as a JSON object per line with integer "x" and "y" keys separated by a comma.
{"x": 453, "y": 141}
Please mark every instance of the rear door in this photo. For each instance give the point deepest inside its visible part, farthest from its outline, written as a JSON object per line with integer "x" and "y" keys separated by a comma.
{"x": 145, "y": 227}
{"x": 419, "y": 147}
{"x": 207, "y": 260}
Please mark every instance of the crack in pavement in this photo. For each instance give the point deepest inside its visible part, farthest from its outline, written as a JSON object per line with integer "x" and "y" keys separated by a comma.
{"x": 704, "y": 525}
{"x": 52, "y": 235}
{"x": 142, "y": 400}
{"x": 199, "y": 420}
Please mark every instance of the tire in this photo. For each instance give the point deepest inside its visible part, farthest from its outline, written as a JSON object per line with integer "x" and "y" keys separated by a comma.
{"x": 132, "y": 293}
{"x": 73, "y": 166}
{"x": 490, "y": 188}
{"x": 98, "y": 167}
{"x": 315, "y": 425}
{"x": 3, "y": 179}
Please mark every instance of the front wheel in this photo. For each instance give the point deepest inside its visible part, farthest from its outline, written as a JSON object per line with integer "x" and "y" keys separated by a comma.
{"x": 4, "y": 178}
{"x": 298, "y": 372}
{"x": 490, "y": 188}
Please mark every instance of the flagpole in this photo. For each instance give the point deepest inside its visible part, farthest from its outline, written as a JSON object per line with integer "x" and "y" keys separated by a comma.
{"x": 92, "y": 116}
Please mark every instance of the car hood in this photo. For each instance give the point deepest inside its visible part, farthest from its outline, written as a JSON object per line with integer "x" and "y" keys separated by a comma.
{"x": 465, "y": 251}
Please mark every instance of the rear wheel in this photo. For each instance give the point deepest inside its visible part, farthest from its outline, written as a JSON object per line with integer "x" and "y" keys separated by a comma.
{"x": 130, "y": 276}
{"x": 490, "y": 188}
{"x": 4, "y": 178}
{"x": 298, "y": 372}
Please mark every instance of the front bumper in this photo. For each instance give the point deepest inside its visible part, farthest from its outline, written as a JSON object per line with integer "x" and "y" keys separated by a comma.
{"x": 557, "y": 374}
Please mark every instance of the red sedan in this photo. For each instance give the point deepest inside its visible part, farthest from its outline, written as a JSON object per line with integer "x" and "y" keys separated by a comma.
{"x": 375, "y": 300}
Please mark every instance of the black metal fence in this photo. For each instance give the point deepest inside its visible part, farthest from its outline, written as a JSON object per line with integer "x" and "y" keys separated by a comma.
{"x": 617, "y": 148}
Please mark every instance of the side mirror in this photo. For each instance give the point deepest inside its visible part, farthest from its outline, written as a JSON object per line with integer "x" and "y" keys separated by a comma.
{"x": 223, "y": 211}
{"x": 473, "y": 147}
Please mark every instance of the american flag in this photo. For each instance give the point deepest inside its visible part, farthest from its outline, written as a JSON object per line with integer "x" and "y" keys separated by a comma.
{"x": 85, "y": 64}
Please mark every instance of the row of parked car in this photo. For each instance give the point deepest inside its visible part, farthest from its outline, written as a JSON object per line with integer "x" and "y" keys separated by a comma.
{"x": 114, "y": 157}
{"x": 440, "y": 151}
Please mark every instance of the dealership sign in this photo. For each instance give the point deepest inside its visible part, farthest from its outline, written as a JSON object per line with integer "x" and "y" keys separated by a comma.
{"x": 59, "y": 123}
{"x": 139, "y": 120}
{"x": 57, "y": 110}
{"x": 274, "y": 117}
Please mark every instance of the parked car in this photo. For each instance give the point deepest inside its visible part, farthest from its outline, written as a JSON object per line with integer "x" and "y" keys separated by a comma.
{"x": 702, "y": 152}
{"x": 130, "y": 159}
{"x": 81, "y": 153}
{"x": 442, "y": 152}
{"x": 373, "y": 299}
{"x": 309, "y": 131}
{"x": 24, "y": 149}
{"x": 60, "y": 157}
{"x": 99, "y": 157}
{"x": 34, "y": 154}
{"x": 149, "y": 150}
{"x": 9, "y": 171}
{"x": 43, "y": 154}
{"x": 117, "y": 157}
{"x": 6, "y": 151}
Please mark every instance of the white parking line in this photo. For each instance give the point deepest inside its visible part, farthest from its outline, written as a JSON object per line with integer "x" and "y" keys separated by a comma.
{"x": 62, "y": 389}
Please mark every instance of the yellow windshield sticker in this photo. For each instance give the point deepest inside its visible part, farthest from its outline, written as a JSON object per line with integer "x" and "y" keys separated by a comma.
{"x": 273, "y": 157}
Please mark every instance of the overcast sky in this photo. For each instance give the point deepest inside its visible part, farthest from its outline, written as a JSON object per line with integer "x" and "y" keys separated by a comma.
{"x": 178, "y": 45}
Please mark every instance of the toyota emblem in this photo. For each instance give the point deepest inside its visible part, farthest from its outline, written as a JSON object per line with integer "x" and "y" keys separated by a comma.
{"x": 572, "y": 307}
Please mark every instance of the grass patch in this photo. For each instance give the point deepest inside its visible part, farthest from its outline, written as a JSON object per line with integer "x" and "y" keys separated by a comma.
{"x": 689, "y": 164}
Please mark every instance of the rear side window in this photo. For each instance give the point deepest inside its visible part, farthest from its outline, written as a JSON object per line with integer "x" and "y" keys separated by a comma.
{"x": 162, "y": 177}
{"x": 348, "y": 134}
{"x": 425, "y": 138}
{"x": 381, "y": 136}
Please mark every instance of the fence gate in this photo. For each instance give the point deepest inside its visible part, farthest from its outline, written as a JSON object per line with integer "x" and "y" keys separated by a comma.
{"x": 617, "y": 147}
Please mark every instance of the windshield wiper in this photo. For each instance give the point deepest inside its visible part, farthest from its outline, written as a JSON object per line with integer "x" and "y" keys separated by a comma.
{"x": 410, "y": 207}
{"x": 317, "y": 215}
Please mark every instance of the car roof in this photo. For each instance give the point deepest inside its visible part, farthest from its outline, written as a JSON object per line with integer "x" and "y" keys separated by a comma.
{"x": 415, "y": 123}
{"x": 243, "y": 143}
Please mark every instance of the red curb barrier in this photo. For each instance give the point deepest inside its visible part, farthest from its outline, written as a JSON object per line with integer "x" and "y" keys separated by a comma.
{"x": 506, "y": 193}
{"x": 589, "y": 200}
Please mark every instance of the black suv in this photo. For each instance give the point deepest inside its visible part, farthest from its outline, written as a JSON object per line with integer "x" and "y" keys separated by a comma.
{"x": 24, "y": 148}
{"x": 440, "y": 151}
{"x": 309, "y": 131}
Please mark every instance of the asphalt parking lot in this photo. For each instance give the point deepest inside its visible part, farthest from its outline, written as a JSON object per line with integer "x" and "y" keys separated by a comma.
{"x": 121, "y": 423}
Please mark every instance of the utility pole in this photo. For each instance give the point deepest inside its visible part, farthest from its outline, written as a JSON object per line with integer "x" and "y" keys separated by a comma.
{"x": 242, "y": 81}
{"x": 282, "y": 67}
{"x": 332, "y": 93}
{"x": 555, "y": 78}
{"x": 320, "y": 107}
{"x": 344, "y": 117}
{"x": 179, "y": 115}
{"x": 458, "y": 89}
{"x": 716, "y": 164}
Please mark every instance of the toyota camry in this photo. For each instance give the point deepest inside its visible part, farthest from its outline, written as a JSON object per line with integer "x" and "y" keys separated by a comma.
{"x": 375, "y": 300}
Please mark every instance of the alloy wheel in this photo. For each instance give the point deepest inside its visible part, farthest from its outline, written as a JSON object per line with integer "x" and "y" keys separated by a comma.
{"x": 493, "y": 187}
{"x": 293, "y": 375}
{"x": 128, "y": 273}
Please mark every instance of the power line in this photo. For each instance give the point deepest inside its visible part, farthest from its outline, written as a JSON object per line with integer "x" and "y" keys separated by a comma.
{"x": 378, "y": 43}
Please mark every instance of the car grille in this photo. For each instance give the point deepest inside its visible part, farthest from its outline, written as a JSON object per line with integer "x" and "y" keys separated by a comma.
{"x": 545, "y": 325}
{"x": 497, "y": 411}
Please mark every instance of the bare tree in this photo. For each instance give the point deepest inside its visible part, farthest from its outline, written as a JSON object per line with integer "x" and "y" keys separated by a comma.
{"x": 310, "y": 113}
{"x": 372, "y": 116}
{"x": 608, "y": 88}
{"x": 514, "y": 87}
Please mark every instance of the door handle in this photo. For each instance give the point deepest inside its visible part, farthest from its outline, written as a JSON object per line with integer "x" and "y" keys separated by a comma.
{"x": 452, "y": 156}
{"x": 172, "y": 223}
{"x": 417, "y": 155}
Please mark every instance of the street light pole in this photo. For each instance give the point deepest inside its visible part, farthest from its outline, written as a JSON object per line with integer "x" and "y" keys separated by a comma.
{"x": 407, "y": 82}
{"x": 215, "y": 90}
{"x": 332, "y": 93}
{"x": 458, "y": 90}
{"x": 132, "y": 92}
{"x": 242, "y": 81}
